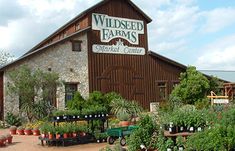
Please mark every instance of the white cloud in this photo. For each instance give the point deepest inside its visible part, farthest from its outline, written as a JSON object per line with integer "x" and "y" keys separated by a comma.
{"x": 40, "y": 18}
{"x": 172, "y": 25}
{"x": 218, "y": 19}
{"x": 218, "y": 55}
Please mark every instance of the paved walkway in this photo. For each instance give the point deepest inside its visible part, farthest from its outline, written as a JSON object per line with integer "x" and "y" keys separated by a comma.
{"x": 31, "y": 143}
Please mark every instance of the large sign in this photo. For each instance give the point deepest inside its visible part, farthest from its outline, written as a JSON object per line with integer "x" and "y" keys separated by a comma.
{"x": 115, "y": 27}
{"x": 119, "y": 48}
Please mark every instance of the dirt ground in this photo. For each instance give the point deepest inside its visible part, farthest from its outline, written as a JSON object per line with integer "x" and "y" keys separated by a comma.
{"x": 31, "y": 143}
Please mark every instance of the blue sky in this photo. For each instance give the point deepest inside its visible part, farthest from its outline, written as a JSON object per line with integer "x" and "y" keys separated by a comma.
{"x": 192, "y": 32}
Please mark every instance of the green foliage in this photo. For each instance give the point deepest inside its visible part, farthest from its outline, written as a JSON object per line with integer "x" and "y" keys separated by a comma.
{"x": 180, "y": 141}
{"x": 215, "y": 85}
{"x": 12, "y": 120}
{"x": 28, "y": 85}
{"x": 122, "y": 116}
{"x": 169, "y": 143}
{"x": 214, "y": 138}
{"x": 122, "y": 106}
{"x": 77, "y": 103}
{"x": 144, "y": 135}
{"x": 193, "y": 87}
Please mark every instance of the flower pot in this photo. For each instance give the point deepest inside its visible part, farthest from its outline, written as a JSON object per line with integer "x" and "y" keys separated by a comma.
{"x": 57, "y": 136}
{"x": 50, "y": 136}
{"x": 9, "y": 139}
{"x": 169, "y": 149}
{"x": 2, "y": 142}
{"x": 36, "y": 132}
{"x": 172, "y": 130}
{"x": 13, "y": 132}
{"x": 199, "y": 129}
{"x": 20, "y": 132}
{"x": 28, "y": 132}
{"x": 181, "y": 148}
{"x": 124, "y": 123}
{"x": 65, "y": 135}
{"x": 191, "y": 129}
{"x": 82, "y": 134}
{"x": 74, "y": 135}
{"x": 44, "y": 135}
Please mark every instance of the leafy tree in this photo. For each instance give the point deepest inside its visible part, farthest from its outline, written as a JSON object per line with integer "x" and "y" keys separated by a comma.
{"x": 215, "y": 85}
{"x": 29, "y": 85}
{"x": 193, "y": 87}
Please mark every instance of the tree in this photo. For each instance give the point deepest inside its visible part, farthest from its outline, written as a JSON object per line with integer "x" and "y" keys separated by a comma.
{"x": 28, "y": 86}
{"x": 192, "y": 88}
{"x": 5, "y": 58}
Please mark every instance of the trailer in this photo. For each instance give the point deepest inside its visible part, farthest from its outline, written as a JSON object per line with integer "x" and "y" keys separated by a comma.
{"x": 119, "y": 133}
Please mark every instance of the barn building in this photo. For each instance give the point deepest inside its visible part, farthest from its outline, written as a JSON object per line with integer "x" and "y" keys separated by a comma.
{"x": 105, "y": 48}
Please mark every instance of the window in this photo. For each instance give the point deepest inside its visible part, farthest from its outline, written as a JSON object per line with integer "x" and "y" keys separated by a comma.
{"x": 70, "y": 90}
{"x": 76, "y": 45}
{"x": 162, "y": 90}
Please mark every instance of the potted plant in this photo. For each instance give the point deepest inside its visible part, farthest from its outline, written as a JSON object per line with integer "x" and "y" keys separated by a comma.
{"x": 13, "y": 130}
{"x": 28, "y": 131}
{"x": 58, "y": 132}
{"x": 20, "y": 130}
{"x": 36, "y": 131}
{"x": 9, "y": 138}
{"x": 2, "y": 140}
{"x": 66, "y": 131}
{"x": 44, "y": 130}
{"x": 51, "y": 132}
{"x": 58, "y": 114}
{"x": 169, "y": 144}
{"x": 124, "y": 118}
{"x": 180, "y": 143}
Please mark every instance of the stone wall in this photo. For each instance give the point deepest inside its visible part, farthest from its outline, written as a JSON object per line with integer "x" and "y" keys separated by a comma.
{"x": 71, "y": 66}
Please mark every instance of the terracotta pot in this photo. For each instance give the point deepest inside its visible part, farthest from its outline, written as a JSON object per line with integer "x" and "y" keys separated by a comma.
{"x": 36, "y": 132}
{"x": 43, "y": 135}
{"x": 65, "y": 135}
{"x": 2, "y": 142}
{"x": 13, "y": 132}
{"x": 82, "y": 134}
{"x": 28, "y": 132}
{"x": 74, "y": 134}
{"x": 124, "y": 123}
{"x": 9, "y": 139}
{"x": 20, "y": 132}
{"x": 57, "y": 136}
{"x": 50, "y": 136}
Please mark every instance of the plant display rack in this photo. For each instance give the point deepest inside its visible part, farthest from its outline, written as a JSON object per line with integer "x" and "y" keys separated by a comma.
{"x": 80, "y": 139}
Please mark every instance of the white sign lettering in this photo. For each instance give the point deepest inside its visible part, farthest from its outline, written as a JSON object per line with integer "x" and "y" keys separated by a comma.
{"x": 221, "y": 101}
{"x": 115, "y": 27}
{"x": 119, "y": 48}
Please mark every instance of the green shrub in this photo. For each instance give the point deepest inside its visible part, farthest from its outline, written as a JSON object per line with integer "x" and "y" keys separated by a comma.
{"x": 12, "y": 120}
{"x": 144, "y": 135}
{"x": 77, "y": 103}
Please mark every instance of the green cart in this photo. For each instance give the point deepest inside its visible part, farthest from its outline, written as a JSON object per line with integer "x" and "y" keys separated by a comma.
{"x": 119, "y": 133}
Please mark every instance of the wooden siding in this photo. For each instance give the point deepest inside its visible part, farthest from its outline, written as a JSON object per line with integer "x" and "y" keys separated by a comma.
{"x": 83, "y": 22}
{"x": 134, "y": 77}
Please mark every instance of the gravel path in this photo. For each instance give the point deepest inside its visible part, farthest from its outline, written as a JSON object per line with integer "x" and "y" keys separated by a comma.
{"x": 31, "y": 143}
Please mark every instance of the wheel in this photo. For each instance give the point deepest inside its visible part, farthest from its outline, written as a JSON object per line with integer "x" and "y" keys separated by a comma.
{"x": 123, "y": 141}
{"x": 110, "y": 140}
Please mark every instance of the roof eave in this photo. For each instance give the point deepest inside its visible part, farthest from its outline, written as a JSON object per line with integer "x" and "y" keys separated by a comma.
{"x": 47, "y": 46}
